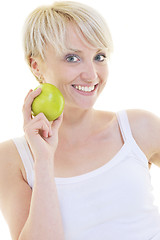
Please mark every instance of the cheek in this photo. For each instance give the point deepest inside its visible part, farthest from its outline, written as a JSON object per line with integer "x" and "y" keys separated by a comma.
{"x": 69, "y": 74}
{"x": 50, "y": 77}
{"x": 104, "y": 73}
{"x": 53, "y": 75}
{"x": 61, "y": 76}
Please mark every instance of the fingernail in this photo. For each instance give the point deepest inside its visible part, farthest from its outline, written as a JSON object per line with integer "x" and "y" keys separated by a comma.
{"x": 50, "y": 133}
{"x": 38, "y": 89}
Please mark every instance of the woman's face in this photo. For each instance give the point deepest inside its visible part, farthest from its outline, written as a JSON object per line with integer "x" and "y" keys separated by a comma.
{"x": 80, "y": 73}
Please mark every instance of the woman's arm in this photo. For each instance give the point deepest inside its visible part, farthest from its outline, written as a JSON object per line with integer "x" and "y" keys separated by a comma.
{"x": 30, "y": 214}
{"x": 15, "y": 193}
{"x": 44, "y": 219}
{"x": 37, "y": 212}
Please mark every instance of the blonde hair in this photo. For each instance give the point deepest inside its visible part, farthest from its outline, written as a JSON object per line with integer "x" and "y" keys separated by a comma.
{"x": 48, "y": 24}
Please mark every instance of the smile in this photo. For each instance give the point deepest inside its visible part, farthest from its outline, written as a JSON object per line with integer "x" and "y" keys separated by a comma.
{"x": 85, "y": 88}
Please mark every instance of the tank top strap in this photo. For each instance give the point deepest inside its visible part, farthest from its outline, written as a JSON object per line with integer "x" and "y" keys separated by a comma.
{"x": 26, "y": 157}
{"x": 124, "y": 125}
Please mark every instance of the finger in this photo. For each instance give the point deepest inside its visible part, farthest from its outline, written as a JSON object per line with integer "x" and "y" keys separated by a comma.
{"x": 28, "y": 94}
{"x": 56, "y": 123}
{"x": 32, "y": 95}
{"x": 44, "y": 131}
{"x": 39, "y": 127}
{"x": 38, "y": 117}
{"x": 27, "y": 104}
{"x": 43, "y": 128}
{"x": 41, "y": 116}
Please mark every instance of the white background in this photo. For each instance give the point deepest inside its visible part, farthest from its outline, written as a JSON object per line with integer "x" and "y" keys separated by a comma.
{"x": 134, "y": 67}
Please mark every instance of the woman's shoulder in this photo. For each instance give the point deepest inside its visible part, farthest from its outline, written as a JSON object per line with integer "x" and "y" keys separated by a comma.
{"x": 8, "y": 151}
{"x": 10, "y": 160}
{"x": 137, "y": 117}
{"x": 145, "y": 127}
{"x": 134, "y": 115}
{"x": 144, "y": 122}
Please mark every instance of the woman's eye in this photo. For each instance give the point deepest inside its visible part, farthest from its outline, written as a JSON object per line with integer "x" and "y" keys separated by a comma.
{"x": 100, "y": 57}
{"x": 72, "y": 58}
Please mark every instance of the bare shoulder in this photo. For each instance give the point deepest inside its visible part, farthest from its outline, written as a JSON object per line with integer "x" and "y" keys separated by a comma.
{"x": 10, "y": 159}
{"x": 15, "y": 193}
{"x": 145, "y": 128}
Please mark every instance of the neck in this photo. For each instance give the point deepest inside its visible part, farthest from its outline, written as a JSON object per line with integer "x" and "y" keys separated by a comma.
{"x": 77, "y": 125}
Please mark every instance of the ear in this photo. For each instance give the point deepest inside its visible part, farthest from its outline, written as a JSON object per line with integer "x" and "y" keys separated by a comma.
{"x": 35, "y": 67}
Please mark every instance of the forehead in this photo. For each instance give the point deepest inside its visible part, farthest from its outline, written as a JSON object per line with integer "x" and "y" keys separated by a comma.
{"x": 75, "y": 39}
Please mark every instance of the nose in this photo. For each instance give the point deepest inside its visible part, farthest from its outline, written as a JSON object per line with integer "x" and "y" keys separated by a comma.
{"x": 89, "y": 72}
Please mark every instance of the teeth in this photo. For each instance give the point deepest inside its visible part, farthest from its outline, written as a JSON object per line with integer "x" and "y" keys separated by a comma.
{"x": 84, "y": 89}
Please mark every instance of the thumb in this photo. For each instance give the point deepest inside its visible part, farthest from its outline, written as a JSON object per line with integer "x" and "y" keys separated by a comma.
{"x": 57, "y": 123}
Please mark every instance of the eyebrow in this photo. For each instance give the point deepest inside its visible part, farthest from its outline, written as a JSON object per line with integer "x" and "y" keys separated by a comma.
{"x": 79, "y": 51}
{"x": 74, "y": 50}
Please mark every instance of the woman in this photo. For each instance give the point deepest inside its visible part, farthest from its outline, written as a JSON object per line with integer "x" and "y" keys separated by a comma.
{"x": 84, "y": 175}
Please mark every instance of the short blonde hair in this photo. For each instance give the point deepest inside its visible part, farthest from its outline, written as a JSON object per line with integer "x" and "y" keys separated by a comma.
{"x": 48, "y": 24}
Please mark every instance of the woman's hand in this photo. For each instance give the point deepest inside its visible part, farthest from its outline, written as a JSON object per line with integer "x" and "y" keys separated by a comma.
{"x": 42, "y": 135}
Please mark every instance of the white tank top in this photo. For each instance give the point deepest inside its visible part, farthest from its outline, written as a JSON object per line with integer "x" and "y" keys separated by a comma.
{"x": 113, "y": 202}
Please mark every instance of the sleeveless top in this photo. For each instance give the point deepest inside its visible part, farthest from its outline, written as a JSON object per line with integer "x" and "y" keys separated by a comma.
{"x": 112, "y": 202}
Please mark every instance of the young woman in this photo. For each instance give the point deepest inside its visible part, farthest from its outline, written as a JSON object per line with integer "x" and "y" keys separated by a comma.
{"x": 85, "y": 175}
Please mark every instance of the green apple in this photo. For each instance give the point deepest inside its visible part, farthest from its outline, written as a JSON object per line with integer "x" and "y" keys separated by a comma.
{"x": 50, "y": 102}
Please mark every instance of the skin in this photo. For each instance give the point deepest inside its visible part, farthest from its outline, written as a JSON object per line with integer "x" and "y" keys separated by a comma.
{"x": 68, "y": 146}
{"x": 85, "y": 70}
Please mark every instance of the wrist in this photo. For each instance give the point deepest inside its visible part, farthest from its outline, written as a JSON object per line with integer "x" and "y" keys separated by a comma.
{"x": 44, "y": 159}
{"x": 44, "y": 164}
{"x": 44, "y": 174}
